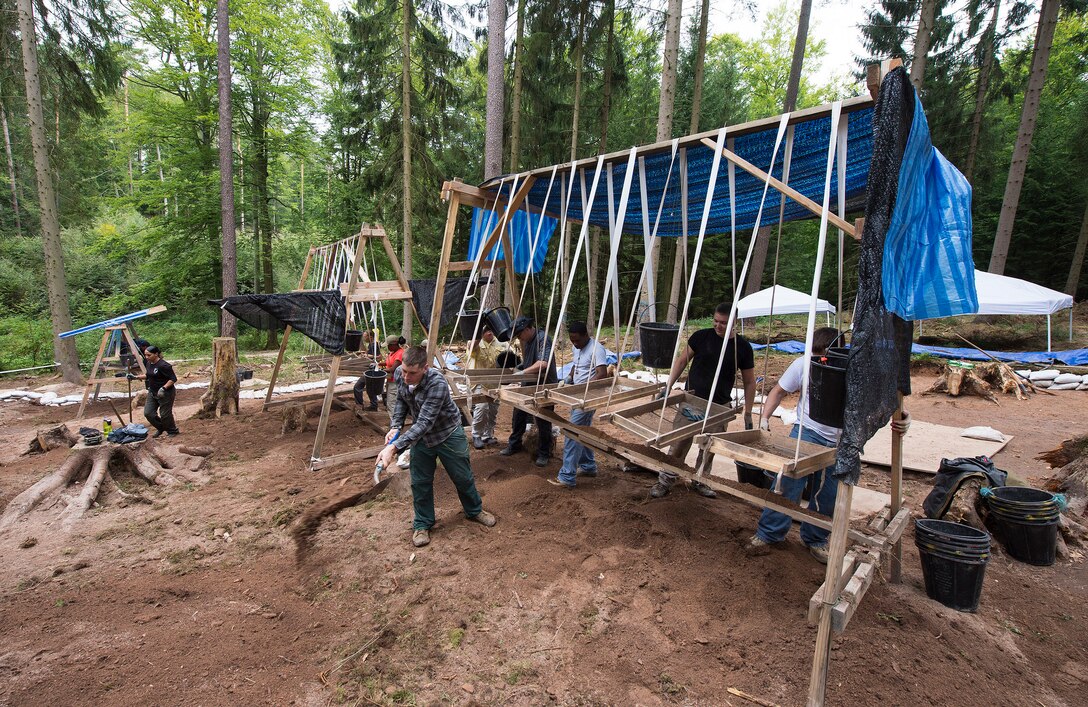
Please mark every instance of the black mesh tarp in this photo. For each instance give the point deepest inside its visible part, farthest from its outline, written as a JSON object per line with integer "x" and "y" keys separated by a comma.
{"x": 423, "y": 297}
{"x": 880, "y": 346}
{"x": 317, "y": 315}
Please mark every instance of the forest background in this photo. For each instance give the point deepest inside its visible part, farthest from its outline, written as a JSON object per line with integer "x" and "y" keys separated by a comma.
{"x": 129, "y": 96}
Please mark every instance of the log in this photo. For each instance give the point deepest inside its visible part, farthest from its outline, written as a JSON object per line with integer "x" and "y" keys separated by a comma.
{"x": 294, "y": 419}
{"x": 27, "y": 500}
{"x": 221, "y": 398}
{"x": 49, "y": 438}
{"x": 100, "y": 462}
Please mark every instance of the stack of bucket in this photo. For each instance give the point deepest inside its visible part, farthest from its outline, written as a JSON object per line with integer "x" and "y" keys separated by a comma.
{"x": 954, "y": 558}
{"x": 1025, "y": 520}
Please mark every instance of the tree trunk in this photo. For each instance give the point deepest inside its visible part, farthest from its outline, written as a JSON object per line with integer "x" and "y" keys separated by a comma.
{"x": 496, "y": 87}
{"x": 128, "y": 147}
{"x": 989, "y": 39}
{"x": 789, "y": 104}
{"x": 221, "y": 398}
{"x": 666, "y": 105}
{"x": 1044, "y": 39}
{"x": 406, "y": 158}
{"x": 11, "y": 171}
{"x": 680, "y": 255}
{"x": 921, "y": 42}
{"x": 63, "y": 349}
{"x": 515, "y": 96}
{"x": 162, "y": 180}
{"x": 264, "y": 218}
{"x": 1073, "y": 283}
{"x": 228, "y": 325}
{"x": 579, "y": 48}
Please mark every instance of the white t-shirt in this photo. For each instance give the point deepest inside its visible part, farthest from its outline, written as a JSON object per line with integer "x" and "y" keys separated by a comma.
{"x": 791, "y": 382}
{"x": 586, "y": 360}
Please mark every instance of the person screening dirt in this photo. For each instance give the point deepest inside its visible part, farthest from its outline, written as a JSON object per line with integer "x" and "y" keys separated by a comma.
{"x": 161, "y": 391}
{"x": 773, "y": 526}
{"x": 392, "y": 362}
{"x": 588, "y": 364}
{"x": 485, "y": 354}
{"x": 436, "y": 434}
{"x": 704, "y": 351}
{"x": 537, "y": 366}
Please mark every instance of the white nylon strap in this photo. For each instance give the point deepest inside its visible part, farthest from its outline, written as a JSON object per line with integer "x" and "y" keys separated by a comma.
{"x": 615, "y": 236}
{"x": 844, "y": 141}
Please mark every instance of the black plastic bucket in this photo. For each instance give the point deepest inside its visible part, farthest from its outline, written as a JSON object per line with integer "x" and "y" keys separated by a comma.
{"x": 466, "y": 323}
{"x": 953, "y": 557}
{"x": 244, "y": 374}
{"x": 657, "y": 341}
{"x": 1025, "y": 521}
{"x": 501, "y": 323}
{"x": 353, "y": 340}
{"x": 748, "y": 474}
{"x": 827, "y": 389}
{"x": 375, "y": 382}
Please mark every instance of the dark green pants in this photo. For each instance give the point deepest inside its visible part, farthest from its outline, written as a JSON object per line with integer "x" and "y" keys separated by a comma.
{"x": 454, "y": 455}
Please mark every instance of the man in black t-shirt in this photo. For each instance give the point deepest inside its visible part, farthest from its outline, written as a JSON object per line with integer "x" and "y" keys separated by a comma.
{"x": 161, "y": 391}
{"x": 703, "y": 350}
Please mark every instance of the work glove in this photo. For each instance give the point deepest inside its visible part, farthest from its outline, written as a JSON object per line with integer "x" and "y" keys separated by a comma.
{"x": 748, "y": 422}
{"x": 160, "y": 393}
{"x": 661, "y": 394}
{"x": 129, "y": 376}
{"x": 764, "y": 424}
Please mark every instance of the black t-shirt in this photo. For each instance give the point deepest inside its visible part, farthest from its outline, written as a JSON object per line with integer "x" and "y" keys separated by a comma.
{"x": 158, "y": 374}
{"x": 707, "y": 346}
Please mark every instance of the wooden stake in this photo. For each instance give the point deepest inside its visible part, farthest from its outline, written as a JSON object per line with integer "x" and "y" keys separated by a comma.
{"x": 443, "y": 273}
{"x": 896, "y": 565}
{"x": 817, "y": 686}
{"x": 94, "y": 371}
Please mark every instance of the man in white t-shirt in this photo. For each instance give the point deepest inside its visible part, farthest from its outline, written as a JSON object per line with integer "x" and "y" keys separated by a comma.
{"x": 588, "y": 365}
{"x": 773, "y": 526}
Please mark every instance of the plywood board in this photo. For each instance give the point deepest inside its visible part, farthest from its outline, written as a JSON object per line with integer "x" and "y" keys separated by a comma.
{"x": 925, "y": 445}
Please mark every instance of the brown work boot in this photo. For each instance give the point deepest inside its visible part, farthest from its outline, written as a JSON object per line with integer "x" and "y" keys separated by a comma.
{"x": 421, "y": 537}
{"x": 485, "y": 519}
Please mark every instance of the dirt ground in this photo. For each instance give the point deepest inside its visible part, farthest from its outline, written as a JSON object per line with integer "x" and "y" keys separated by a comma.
{"x": 591, "y": 596}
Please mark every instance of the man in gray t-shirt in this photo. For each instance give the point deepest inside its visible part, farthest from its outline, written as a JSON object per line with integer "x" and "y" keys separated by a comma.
{"x": 537, "y": 366}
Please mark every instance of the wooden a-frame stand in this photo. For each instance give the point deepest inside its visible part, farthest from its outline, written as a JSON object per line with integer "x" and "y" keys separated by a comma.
{"x": 93, "y": 381}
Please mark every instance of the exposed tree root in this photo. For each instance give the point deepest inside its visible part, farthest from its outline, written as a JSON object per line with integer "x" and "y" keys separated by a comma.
{"x": 1068, "y": 451}
{"x": 982, "y": 380}
{"x": 95, "y": 467}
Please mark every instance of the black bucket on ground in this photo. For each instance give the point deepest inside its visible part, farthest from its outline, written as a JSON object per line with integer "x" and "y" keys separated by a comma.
{"x": 244, "y": 374}
{"x": 466, "y": 323}
{"x": 657, "y": 341}
{"x": 353, "y": 340}
{"x": 501, "y": 323}
{"x": 953, "y": 557}
{"x": 748, "y": 474}
{"x": 827, "y": 389}
{"x": 1025, "y": 521}
{"x": 375, "y": 382}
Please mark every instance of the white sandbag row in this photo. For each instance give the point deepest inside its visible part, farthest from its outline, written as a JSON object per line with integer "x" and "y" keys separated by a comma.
{"x": 1053, "y": 379}
{"x": 294, "y": 388}
{"x": 54, "y": 400}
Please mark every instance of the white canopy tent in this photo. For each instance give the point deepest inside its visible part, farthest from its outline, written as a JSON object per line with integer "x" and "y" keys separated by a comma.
{"x": 1001, "y": 294}
{"x": 783, "y": 300}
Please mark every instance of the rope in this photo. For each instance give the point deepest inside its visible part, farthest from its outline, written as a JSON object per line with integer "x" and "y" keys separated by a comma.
{"x": 777, "y": 253}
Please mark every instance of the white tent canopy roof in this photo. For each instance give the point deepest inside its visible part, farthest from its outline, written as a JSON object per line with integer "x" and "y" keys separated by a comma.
{"x": 786, "y": 301}
{"x": 1000, "y": 294}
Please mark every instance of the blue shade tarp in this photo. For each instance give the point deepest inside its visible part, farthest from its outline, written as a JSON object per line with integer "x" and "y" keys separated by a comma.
{"x": 1072, "y": 357}
{"x": 807, "y": 167}
{"x": 928, "y": 269}
{"x": 523, "y": 233}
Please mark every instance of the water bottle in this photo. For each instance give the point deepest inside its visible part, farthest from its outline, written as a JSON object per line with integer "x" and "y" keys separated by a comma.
{"x": 107, "y": 426}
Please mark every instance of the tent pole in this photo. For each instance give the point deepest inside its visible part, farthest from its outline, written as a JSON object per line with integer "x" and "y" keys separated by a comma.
{"x": 1048, "y": 333}
{"x": 1070, "y": 323}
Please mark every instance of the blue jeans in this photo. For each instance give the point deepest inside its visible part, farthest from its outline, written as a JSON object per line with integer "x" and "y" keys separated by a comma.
{"x": 576, "y": 455}
{"x": 773, "y": 525}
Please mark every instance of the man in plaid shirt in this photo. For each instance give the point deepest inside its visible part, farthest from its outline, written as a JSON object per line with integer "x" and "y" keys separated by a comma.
{"x": 436, "y": 433}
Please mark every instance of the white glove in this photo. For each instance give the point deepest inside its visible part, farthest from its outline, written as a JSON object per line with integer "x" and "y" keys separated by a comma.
{"x": 764, "y": 424}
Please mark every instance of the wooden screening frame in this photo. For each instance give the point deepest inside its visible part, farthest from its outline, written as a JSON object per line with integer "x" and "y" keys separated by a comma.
{"x": 666, "y": 433}
{"x": 604, "y": 394}
{"x": 775, "y": 454}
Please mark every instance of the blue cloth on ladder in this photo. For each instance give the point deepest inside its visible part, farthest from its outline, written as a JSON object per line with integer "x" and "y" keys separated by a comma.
{"x": 928, "y": 268}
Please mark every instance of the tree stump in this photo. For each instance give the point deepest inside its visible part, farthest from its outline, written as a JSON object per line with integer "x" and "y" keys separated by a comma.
{"x": 221, "y": 397}
{"x": 96, "y": 466}
{"x": 294, "y": 418}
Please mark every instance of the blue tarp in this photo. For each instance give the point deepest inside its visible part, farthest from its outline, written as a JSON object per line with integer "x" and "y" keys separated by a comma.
{"x": 928, "y": 269}
{"x": 522, "y": 230}
{"x": 807, "y": 166}
{"x": 1072, "y": 357}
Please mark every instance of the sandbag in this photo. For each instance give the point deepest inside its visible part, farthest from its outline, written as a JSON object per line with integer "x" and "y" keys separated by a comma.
{"x": 1068, "y": 378}
{"x": 1042, "y": 384}
{"x": 1047, "y": 375}
{"x": 983, "y": 432}
{"x": 1064, "y": 386}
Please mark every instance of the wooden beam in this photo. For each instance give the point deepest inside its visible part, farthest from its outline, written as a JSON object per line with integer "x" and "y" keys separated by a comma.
{"x": 895, "y": 572}
{"x": 287, "y": 331}
{"x": 344, "y": 458}
{"x": 817, "y": 684}
{"x": 94, "y": 372}
{"x": 443, "y": 273}
{"x": 851, "y": 596}
{"x": 849, "y": 563}
{"x": 466, "y": 265}
{"x": 783, "y": 188}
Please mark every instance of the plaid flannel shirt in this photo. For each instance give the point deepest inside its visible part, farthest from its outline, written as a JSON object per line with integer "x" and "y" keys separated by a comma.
{"x": 434, "y": 414}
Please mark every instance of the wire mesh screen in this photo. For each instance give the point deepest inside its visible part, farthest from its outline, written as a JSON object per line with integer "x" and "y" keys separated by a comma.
{"x": 317, "y": 315}
{"x": 880, "y": 346}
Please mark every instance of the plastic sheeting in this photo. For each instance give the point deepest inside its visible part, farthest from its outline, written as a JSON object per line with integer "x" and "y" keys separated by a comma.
{"x": 452, "y": 296}
{"x": 807, "y": 167}
{"x": 786, "y": 301}
{"x": 1000, "y": 294}
{"x": 523, "y": 234}
{"x": 317, "y": 315}
{"x": 928, "y": 271}
{"x": 879, "y": 364}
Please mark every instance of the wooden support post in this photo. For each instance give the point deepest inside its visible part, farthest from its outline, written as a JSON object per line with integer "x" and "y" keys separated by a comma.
{"x": 783, "y": 188}
{"x": 326, "y": 407}
{"x": 287, "y": 332}
{"x": 443, "y": 273}
{"x": 817, "y": 686}
{"x": 94, "y": 371}
{"x": 392, "y": 255}
{"x": 513, "y": 296}
{"x": 895, "y": 573}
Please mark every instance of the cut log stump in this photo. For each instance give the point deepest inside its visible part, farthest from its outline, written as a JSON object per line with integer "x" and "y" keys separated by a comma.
{"x": 221, "y": 398}
{"x": 49, "y": 438}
